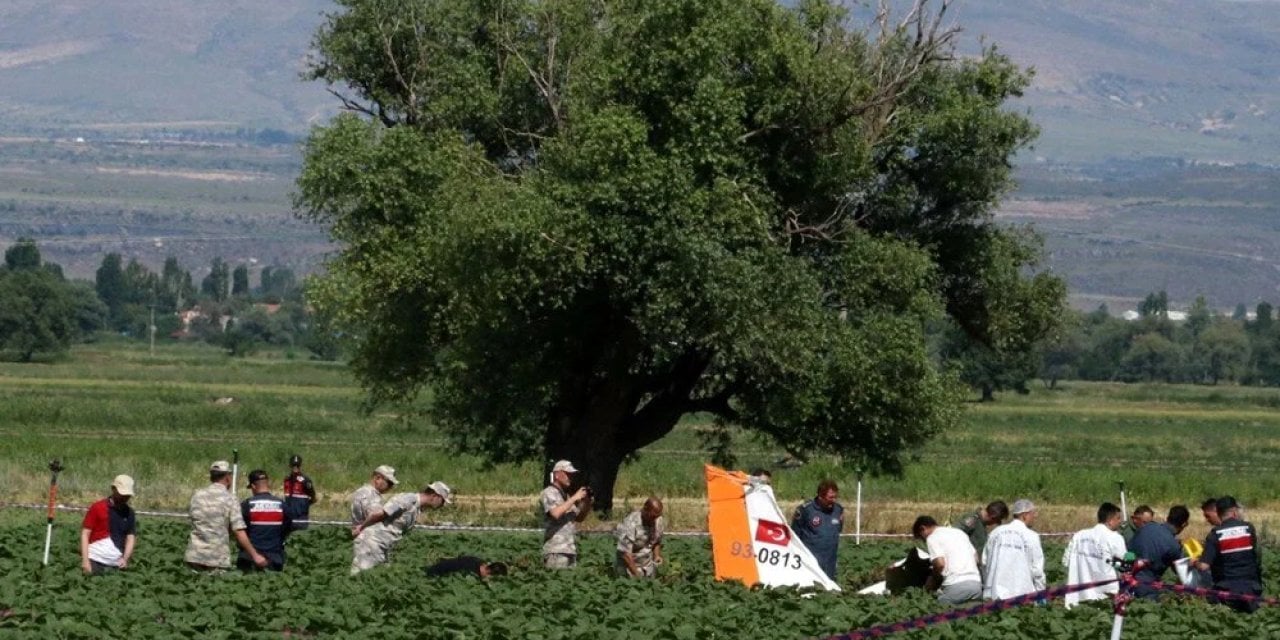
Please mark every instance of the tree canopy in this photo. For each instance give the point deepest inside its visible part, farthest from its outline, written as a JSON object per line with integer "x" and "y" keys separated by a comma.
{"x": 578, "y": 221}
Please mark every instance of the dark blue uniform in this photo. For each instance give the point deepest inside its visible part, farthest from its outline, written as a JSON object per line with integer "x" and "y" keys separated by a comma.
{"x": 1234, "y": 558}
{"x": 819, "y": 530}
{"x": 1157, "y": 544}
{"x": 268, "y": 525}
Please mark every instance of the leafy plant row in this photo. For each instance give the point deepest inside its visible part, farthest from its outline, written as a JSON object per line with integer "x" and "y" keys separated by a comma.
{"x": 314, "y": 597}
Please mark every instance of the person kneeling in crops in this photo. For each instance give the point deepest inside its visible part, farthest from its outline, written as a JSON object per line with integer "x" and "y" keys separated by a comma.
{"x": 640, "y": 541}
{"x": 955, "y": 562}
{"x": 470, "y": 565}
{"x": 383, "y": 528}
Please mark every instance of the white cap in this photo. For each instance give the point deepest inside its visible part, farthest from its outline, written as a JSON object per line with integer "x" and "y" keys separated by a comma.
{"x": 123, "y": 485}
{"x": 565, "y": 466}
{"x": 1023, "y": 506}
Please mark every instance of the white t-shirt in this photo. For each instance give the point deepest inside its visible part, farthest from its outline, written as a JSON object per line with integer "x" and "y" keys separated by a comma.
{"x": 962, "y": 559}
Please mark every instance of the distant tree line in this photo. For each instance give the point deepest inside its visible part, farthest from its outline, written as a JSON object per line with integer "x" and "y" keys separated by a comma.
{"x": 42, "y": 312}
{"x": 1204, "y": 348}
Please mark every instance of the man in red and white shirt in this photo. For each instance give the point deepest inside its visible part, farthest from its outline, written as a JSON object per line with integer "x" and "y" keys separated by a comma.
{"x": 109, "y": 529}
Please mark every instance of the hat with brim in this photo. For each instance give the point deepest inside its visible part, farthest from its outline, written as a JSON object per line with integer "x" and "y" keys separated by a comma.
{"x": 441, "y": 489}
{"x": 123, "y": 485}
{"x": 387, "y": 472}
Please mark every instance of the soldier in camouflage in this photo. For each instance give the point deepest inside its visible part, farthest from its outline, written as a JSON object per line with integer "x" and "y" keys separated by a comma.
{"x": 640, "y": 541}
{"x": 975, "y": 524}
{"x": 384, "y": 527}
{"x": 368, "y": 498}
{"x": 560, "y": 513}
{"x": 214, "y": 515}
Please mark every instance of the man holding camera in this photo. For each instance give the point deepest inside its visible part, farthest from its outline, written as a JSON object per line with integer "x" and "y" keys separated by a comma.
{"x": 560, "y": 513}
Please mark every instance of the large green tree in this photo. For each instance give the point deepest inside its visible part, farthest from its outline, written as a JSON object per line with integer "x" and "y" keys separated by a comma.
{"x": 578, "y": 221}
{"x": 39, "y": 310}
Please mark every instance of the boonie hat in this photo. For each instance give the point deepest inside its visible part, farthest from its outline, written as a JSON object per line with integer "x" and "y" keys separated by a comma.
{"x": 1023, "y": 506}
{"x": 123, "y": 485}
{"x": 256, "y": 475}
{"x": 565, "y": 466}
{"x": 387, "y": 472}
{"x": 441, "y": 489}
{"x": 221, "y": 465}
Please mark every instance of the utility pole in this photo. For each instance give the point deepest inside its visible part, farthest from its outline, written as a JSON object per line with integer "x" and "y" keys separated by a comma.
{"x": 152, "y": 327}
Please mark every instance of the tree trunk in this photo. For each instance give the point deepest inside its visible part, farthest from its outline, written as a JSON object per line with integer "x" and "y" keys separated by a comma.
{"x": 988, "y": 392}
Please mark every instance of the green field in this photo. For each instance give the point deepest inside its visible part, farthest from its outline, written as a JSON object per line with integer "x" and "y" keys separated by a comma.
{"x": 113, "y": 408}
{"x": 314, "y": 597}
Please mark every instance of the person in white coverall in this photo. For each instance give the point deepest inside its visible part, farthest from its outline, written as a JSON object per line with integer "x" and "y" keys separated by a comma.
{"x": 1014, "y": 559}
{"x": 1089, "y": 553}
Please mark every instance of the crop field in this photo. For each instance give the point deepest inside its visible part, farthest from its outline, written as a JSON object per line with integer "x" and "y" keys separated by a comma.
{"x": 314, "y": 596}
{"x": 113, "y": 408}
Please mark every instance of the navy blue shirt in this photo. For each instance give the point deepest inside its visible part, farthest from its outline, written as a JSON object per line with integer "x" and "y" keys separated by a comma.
{"x": 819, "y": 530}
{"x": 1232, "y": 553}
{"x": 1157, "y": 544}
{"x": 267, "y": 524}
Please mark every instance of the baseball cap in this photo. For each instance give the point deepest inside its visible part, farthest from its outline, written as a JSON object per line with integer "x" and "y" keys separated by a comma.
{"x": 387, "y": 472}
{"x": 123, "y": 485}
{"x": 565, "y": 466}
{"x": 256, "y": 475}
{"x": 221, "y": 465}
{"x": 1023, "y": 506}
{"x": 295, "y": 460}
{"x": 441, "y": 489}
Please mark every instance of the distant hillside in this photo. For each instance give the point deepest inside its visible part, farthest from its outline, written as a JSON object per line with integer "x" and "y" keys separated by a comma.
{"x": 1125, "y": 92}
{"x": 1184, "y": 78}
{"x": 154, "y": 64}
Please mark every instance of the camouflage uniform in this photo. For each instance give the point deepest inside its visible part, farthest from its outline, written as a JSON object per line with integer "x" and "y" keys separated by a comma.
{"x": 973, "y": 526}
{"x": 638, "y": 540}
{"x": 560, "y": 543}
{"x": 363, "y": 502}
{"x": 213, "y": 513}
{"x": 374, "y": 544}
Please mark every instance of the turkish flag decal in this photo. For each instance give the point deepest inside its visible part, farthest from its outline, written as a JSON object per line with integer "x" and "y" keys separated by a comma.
{"x": 773, "y": 533}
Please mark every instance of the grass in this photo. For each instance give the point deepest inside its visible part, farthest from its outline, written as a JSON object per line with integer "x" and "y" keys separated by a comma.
{"x": 113, "y": 408}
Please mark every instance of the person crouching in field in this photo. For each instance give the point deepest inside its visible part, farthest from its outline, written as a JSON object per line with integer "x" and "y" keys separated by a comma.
{"x": 466, "y": 565}
{"x": 383, "y": 528}
{"x": 640, "y": 541}
{"x": 109, "y": 529}
{"x": 214, "y": 514}
{"x": 955, "y": 562}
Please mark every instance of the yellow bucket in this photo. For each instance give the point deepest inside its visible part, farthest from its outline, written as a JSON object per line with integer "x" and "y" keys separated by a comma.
{"x": 1193, "y": 548}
